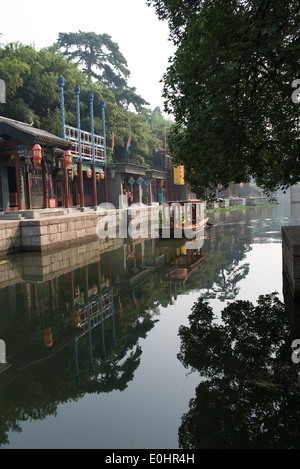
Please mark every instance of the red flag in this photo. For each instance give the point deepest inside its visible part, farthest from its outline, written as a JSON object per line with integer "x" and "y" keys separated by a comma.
{"x": 128, "y": 144}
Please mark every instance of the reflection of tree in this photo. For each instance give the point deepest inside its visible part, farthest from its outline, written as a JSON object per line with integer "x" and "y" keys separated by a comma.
{"x": 225, "y": 287}
{"x": 251, "y": 395}
{"x": 35, "y": 392}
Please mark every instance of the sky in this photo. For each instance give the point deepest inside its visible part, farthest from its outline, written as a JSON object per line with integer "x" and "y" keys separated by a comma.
{"x": 135, "y": 27}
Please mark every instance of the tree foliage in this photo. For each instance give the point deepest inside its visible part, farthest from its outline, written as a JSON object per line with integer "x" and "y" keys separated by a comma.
{"x": 32, "y": 96}
{"x": 100, "y": 58}
{"x": 229, "y": 87}
{"x": 249, "y": 393}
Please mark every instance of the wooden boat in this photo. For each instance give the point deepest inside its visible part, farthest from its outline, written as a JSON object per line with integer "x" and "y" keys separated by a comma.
{"x": 186, "y": 231}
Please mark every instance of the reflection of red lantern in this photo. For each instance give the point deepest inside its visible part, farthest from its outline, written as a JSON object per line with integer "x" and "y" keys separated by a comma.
{"x": 37, "y": 153}
{"x": 68, "y": 158}
{"x": 89, "y": 173}
{"x": 77, "y": 320}
{"x": 48, "y": 341}
{"x": 95, "y": 289}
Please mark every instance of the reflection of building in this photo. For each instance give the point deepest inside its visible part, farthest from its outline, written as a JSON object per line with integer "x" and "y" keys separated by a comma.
{"x": 94, "y": 313}
{"x": 45, "y": 297}
{"x": 179, "y": 264}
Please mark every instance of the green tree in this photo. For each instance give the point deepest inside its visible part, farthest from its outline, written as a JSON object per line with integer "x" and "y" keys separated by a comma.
{"x": 31, "y": 79}
{"x": 100, "y": 57}
{"x": 229, "y": 89}
{"x": 248, "y": 396}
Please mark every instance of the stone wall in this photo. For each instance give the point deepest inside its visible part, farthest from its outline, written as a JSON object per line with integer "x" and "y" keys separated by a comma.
{"x": 291, "y": 257}
{"x": 10, "y": 236}
{"x": 54, "y": 233}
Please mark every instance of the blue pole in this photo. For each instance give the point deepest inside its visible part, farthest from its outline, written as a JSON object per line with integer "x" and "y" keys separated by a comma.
{"x": 81, "y": 189}
{"x": 77, "y": 90}
{"x": 102, "y": 102}
{"x": 91, "y": 96}
{"x": 62, "y": 106}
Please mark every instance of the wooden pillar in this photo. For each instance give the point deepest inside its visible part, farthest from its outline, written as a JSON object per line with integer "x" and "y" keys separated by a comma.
{"x": 105, "y": 183}
{"x": 81, "y": 188}
{"x": 94, "y": 185}
{"x": 66, "y": 187}
{"x": 45, "y": 184}
{"x": 18, "y": 182}
{"x": 27, "y": 184}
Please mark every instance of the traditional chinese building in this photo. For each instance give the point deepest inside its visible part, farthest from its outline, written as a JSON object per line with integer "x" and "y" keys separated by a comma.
{"x": 31, "y": 162}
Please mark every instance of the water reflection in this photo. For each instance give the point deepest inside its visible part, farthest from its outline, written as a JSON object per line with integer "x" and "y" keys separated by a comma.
{"x": 73, "y": 324}
{"x": 250, "y": 394}
{"x": 70, "y": 332}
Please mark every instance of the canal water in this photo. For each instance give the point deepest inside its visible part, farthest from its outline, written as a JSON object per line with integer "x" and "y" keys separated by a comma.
{"x": 153, "y": 344}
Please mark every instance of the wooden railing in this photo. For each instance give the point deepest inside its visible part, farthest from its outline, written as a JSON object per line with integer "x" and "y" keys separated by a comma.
{"x": 88, "y": 144}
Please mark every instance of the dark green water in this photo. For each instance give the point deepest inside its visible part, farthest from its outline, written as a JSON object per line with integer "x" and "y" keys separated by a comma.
{"x": 137, "y": 372}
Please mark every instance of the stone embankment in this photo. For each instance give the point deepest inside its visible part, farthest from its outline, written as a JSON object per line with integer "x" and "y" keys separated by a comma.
{"x": 42, "y": 231}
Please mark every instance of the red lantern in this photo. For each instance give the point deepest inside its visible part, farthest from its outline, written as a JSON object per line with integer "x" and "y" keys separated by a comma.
{"x": 89, "y": 173}
{"x": 68, "y": 158}
{"x": 241, "y": 184}
{"x": 102, "y": 174}
{"x": 37, "y": 153}
{"x": 95, "y": 289}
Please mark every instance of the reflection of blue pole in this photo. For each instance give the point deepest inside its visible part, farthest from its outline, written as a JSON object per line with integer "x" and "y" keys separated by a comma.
{"x": 113, "y": 320}
{"x": 77, "y": 378}
{"x": 102, "y": 333}
{"x": 90, "y": 341}
{"x": 62, "y": 106}
{"x": 77, "y": 90}
{"x": 102, "y": 102}
{"x": 91, "y": 96}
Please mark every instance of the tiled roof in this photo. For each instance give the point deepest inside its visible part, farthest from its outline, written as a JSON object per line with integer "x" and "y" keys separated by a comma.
{"x": 26, "y": 133}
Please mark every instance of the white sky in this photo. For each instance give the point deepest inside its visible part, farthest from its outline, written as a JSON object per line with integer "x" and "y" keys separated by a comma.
{"x": 142, "y": 38}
